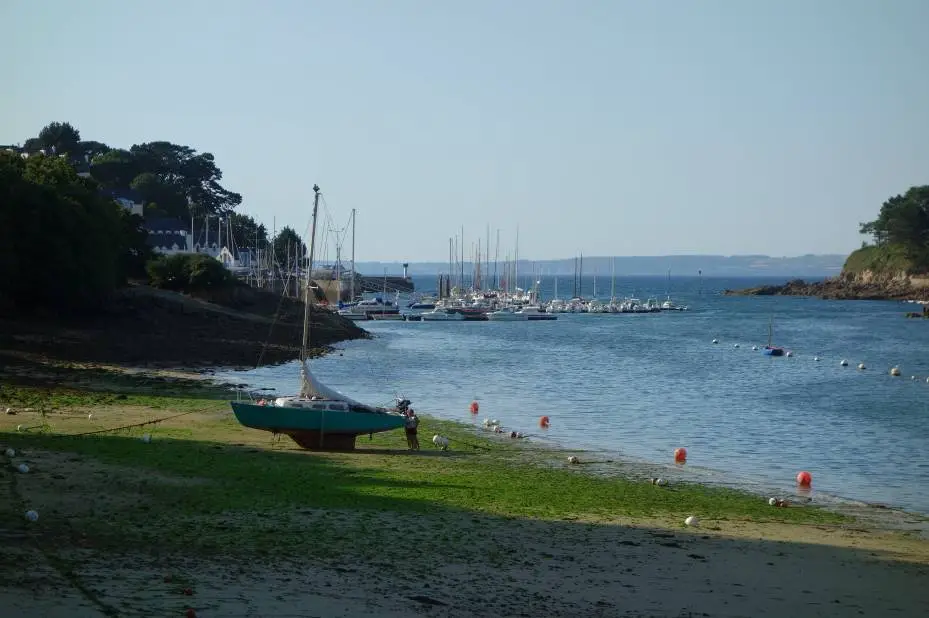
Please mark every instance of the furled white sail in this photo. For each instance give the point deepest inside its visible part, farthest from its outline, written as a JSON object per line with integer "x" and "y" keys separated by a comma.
{"x": 312, "y": 387}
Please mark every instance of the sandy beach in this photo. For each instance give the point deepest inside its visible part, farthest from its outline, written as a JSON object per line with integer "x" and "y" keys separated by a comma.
{"x": 106, "y": 543}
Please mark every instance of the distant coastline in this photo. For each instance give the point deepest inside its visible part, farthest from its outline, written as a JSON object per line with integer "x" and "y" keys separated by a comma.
{"x": 808, "y": 266}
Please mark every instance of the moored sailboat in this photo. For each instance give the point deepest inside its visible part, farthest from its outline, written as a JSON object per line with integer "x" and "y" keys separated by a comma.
{"x": 772, "y": 350}
{"x": 318, "y": 418}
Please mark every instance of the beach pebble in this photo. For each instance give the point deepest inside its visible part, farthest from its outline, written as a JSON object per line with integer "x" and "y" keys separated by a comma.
{"x": 32, "y": 516}
{"x": 23, "y": 468}
{"x": 692, "y": 521}
{"x": 10, "y": 452}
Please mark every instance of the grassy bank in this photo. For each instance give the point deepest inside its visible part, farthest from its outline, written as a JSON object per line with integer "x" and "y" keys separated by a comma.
{"x": 206, "y": 484}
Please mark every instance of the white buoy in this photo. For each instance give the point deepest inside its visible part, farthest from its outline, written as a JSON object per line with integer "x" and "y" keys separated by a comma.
{"x": 19, "y": 428}
{"x": 572, "y": 459}
{"x": 912, "y": 377}
{"x": 789, "y": 354}
{"x": 23, "y": 468}
{"x": 692, "y": 521}
{"x": 661, "y": 482}
{"x": 861, "y": 366}
{"x": 754, "y": 347}
{"x": 736, "y": 345}
{"x": 772, "y": 501}
{"x": 32, "y": 516}
{"x": 843, "y": 362}
{"x": 716, "y": 341}
{"x": 90, "y": 415}
{"x": 895, "y": 371}
{"x": 816, "y": 358}
{"x": 10, "y": 452}
{"x": 146, "y": 437}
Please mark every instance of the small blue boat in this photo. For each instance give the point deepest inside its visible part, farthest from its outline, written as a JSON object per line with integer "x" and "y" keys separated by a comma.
{"x": 319, "y": 418}
{"x": 772, "y": 350}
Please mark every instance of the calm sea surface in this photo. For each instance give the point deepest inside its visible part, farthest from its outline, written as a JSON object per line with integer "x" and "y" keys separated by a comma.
{"x": 638, "y": 386}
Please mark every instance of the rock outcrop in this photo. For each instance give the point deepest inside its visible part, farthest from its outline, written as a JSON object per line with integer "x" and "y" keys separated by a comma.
{"x": 865, "y": 285}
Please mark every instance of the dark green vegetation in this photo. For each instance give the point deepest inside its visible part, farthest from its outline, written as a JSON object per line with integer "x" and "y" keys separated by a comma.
{"x": 188, "y": 273}
{"x": 88, "y": 245}
{"x": 901, "y": 236}
{"x": 206, "y": 484}
{"x": 63, "y": 245}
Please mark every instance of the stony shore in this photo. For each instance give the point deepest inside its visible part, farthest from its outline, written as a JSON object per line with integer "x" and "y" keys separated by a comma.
{"x": 840, "y": 288}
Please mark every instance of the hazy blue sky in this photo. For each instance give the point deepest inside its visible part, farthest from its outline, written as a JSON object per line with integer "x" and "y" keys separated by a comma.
{"x": 614, "y": 127}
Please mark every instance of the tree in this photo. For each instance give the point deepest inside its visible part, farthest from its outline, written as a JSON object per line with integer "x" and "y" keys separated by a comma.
{"x": 115, "y": 169}
{"x": 246, "y": 232}
{"x": 194, "y": 175}
{"x": 60, "y": 138}
{"x": 288, "y": 245}
{"x": 63, "y": 244}
{"x": 166, "y": 195}
{"x": 903, "y": 219}
{"x": 188, "y": 273}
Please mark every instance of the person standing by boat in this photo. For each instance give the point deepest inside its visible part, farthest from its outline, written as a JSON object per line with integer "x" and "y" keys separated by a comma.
{"x": 412, "y": 423}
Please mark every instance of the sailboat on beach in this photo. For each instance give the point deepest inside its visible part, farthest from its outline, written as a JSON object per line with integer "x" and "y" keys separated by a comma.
{"x": 772, "y": 350}
{"x": 319, "y": 418}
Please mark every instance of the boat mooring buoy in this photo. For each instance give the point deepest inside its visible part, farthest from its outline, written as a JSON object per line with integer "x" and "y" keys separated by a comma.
{"x": 716, "y": 341}
{"x": 816, "y": 358}
{"x": 861, "y": 366}
{"x": 844, "y": 363}
{"x": 895, "y": 371}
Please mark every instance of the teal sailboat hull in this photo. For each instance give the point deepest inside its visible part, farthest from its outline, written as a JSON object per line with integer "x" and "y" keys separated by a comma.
{"x": 326, "y": 428}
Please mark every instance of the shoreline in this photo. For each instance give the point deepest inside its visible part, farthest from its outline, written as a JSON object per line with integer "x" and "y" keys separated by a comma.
{"x": 616, "y": 462}
{"x": 493, "y": 527}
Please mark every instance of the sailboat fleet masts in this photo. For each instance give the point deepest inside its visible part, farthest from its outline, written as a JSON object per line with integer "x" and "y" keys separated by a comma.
{"x": 309, "y": 274}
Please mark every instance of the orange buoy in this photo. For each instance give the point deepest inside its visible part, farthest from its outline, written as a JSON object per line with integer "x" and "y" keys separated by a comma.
{"x": 475, "y": 407}
{"x": 804, "y": 479}
{"x": 680, "y": 455}
{"x": 543, "y": 422}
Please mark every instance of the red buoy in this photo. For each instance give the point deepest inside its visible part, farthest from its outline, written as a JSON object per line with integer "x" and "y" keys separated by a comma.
{"x": 475, "y": 408}
{"x": 804, "y": 479}
{"x": 680, "y": 455}
{"x": 544, "y": 422}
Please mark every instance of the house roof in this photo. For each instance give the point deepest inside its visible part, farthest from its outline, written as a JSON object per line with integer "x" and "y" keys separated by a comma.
{"x": 166, "y": 241}
{"x": 165, "y": 224}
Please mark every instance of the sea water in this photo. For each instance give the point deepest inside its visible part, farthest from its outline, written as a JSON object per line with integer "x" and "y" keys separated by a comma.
{"x": 639, "y": 386}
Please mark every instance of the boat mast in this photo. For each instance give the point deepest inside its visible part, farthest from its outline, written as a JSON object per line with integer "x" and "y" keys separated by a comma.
{"x": 613, "y": 279}
{"x": 309, "y": 273}
{"x": 352, "y": 297}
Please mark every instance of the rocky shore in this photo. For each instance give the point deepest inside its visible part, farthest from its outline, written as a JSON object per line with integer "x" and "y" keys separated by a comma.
{"x": 145, "y": 327}
{"x": 845, "y": 287}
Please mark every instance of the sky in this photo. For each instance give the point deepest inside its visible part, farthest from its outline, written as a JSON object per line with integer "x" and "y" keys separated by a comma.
{"x": 609, "y": 128}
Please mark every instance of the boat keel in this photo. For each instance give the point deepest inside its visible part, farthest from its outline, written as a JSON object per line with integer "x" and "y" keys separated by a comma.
{"x": 322, "y": 441}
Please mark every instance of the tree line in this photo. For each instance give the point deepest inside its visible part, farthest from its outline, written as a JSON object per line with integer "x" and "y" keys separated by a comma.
{"x": 65, "y": 244}
{"x": 903, "y": 223}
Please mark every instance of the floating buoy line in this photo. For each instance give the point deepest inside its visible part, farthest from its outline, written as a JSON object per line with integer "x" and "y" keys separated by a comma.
{"x": 895, "y": 371}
